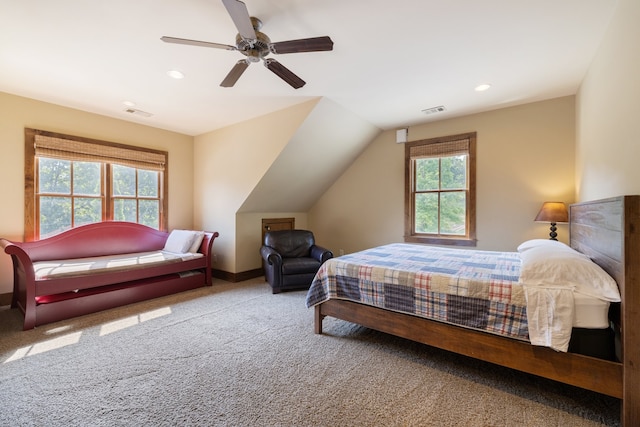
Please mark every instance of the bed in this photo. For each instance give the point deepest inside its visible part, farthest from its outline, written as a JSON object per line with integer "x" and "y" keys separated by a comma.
{"x": 605, "y": 231}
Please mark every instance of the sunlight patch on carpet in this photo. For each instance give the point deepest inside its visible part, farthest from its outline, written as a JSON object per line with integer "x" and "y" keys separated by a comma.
{"x": 128, "y": 322}
{"x": 45, "y": 346}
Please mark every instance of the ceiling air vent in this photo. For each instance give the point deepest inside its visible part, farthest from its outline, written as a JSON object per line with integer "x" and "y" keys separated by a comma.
{"x": 137, "y": 112}
{"x": 433, "y": 110}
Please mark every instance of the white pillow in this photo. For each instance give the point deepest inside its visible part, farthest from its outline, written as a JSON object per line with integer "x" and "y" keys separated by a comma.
{"x": 197, "y": 241}
{"x": 560, "y": 266}
{"x": 179, "y": 241}
{"x": 536, "y": 243}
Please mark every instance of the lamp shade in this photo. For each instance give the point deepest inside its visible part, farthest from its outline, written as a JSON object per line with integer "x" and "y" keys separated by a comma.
{"x": 553, "y": 212}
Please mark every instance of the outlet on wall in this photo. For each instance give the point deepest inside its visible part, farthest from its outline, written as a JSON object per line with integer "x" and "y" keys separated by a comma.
{"x": 341, "y": 252}
{"x": 215, "y": 257}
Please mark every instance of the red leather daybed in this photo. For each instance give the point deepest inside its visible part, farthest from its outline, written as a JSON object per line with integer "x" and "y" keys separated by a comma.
{"x": 104, "y": 265}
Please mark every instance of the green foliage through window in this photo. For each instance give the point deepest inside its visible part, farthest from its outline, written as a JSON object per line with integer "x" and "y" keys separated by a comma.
{"x": 71, "y": 193}
{"x": 440, "y": 195}
{"x": 135, "y": 195}
{"x": 62, "y": 185}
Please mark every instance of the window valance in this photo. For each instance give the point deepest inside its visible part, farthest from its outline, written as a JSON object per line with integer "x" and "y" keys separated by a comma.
{"x": 440, "y": 149}
{"x": 78, "y": 150}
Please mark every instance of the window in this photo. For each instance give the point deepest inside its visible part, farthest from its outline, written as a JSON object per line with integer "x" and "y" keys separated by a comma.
{"x": 71, "y": 181}
{"x": 440, "y": 190}
{"x": 136, "y": 195}
{"x": 68, "y": 194}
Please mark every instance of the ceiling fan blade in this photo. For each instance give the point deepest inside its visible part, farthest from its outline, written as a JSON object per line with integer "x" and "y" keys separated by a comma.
{"x": 235, "y": 73}
{"x": 176, "y": 40}
{"x": 240, "y": 16}
{"x": 284, "y": 73}
{"x": 314, "y": 44}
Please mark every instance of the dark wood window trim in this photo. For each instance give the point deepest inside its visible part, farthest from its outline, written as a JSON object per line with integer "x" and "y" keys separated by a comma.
{"x": 469, "y": 239}
{"x": 30, "y": 209}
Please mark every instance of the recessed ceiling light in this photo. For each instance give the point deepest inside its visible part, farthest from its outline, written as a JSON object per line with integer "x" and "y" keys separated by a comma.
{"x": 175, "y": 74}
{"x": 482, "y": 88}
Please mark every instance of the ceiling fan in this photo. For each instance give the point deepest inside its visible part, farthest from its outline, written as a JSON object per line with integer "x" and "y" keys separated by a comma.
{"x": 256, "y": 46}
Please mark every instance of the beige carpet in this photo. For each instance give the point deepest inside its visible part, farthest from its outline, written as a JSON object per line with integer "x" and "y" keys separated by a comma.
{"x": 236, "y": 355}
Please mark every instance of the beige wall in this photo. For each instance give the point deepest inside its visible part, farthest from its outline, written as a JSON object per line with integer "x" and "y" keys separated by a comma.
{"x": 525, "y": 157}
{"x": 276, "y": 165}
{"x": 16, "y": 113}
{"x": 608, "y": 144}
{"x": 228, "y": 164}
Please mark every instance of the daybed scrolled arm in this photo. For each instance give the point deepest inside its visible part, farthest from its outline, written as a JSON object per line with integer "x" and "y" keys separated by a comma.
{"x": 320, "y": 253}
{"x": 19, "y": 255}
{"x": 4, "y": 243}
{"x": 206, "y": 248}
{"x": 12, "y": 248}
{"x": 207, "y": 243}
{"x": 24, "y": 290}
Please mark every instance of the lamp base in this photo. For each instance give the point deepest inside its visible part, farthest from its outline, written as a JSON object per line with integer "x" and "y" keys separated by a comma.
{"x": 553, "y": 234}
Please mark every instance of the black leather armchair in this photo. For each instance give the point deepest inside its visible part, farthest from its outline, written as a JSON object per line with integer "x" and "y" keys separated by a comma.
{"x": 291, "y": 259}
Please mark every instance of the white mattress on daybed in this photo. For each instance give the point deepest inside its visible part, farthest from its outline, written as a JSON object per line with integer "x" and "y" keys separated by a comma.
{"x": 55, "y": 269}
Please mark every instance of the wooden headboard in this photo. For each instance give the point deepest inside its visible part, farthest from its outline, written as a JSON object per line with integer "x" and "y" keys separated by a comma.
{"x": 608, "y": 231}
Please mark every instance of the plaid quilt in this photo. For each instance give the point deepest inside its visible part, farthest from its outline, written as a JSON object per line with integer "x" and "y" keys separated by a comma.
{"x": 470, "y": 288}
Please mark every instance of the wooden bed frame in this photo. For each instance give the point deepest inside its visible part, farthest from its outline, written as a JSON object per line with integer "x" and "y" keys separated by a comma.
{"x": 606, "y": 230}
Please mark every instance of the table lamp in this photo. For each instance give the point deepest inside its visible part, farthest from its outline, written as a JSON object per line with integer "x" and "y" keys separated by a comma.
{"x": 553, "y": 212}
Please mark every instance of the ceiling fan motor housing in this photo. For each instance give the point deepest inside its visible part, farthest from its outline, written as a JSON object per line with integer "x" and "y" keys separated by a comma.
{"x": 254, "y": 49}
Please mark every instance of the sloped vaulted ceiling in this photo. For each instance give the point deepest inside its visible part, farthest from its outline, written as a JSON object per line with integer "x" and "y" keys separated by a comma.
{"x": 391, "y": 59}
{"x": 322, "y": 148}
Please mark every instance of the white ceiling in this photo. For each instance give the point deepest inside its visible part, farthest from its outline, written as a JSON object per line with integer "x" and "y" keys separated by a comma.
{"x": 391, "y": 58}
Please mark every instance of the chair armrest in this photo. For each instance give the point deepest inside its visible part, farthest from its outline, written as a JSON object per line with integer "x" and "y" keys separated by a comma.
{"x": 320, "y": 253}
{"x": 271, "y": 256}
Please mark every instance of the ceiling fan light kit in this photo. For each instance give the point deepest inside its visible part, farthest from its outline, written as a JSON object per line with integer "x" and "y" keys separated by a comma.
{"x": 256, "y": 45}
